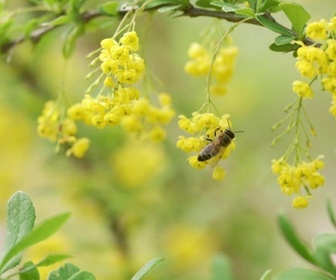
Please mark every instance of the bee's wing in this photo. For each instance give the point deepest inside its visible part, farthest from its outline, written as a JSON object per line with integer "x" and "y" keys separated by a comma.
{"x": 214, "y": 161}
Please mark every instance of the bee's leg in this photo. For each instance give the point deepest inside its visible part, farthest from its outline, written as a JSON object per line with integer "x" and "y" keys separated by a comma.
{"x": 209, "y": 139}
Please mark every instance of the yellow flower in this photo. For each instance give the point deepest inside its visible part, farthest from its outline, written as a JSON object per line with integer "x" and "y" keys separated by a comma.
{"x": 332, "y": 108}
{"x": 193, "y": 161}
{"x": 300, "y": 202}
{"x": 329, "y": 84}
{"x": 196, "y": 50}
{"x": 218, "y": 173}
{"x": 188, "y": 246}
{"x": 137, "y": 162}
{"x": 302, "y": 176}
{"x": 305, "y": 68}
{"x": 277, "y": 166}
{"x": 79, "y": 148}
{"x": 332, "y": 24}
{"x": 331, "y": 49}
{"x": 317, "y": 30}
{"x": 157, "y": 134}
{"x": 302, "y": 89}
{"x": 108, "y": 43}
{"x": 131, "y": 40}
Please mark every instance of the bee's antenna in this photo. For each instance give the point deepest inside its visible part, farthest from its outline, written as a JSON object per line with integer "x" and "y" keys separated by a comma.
{"x": 239, "y": 131}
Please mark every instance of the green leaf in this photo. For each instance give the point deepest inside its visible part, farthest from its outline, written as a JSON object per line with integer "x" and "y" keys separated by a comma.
{"x": 297, "y": 15}
{"x": 325, "y": 244}
{"x": 20, "y": 222}
{"x": 49, "y": 260}
{"x": 274, "y": 26}
{"x": 146, "y": 268}
{"x": 70, "y": 272}
{"x": 226, "y": 7}
{"x": 304, "y": 274}
{"x": 77, "y": 4}
{"x": 31, "y": 273}
{"x": 326, "y": 241}
{"x": 283, "y": 40}
{"x": 331, "y": 213}
{"x": 283, "y": 48}
{"x": 64, "y": 272}
{"x": 83, "y": 275}
{"x": 294, "y": 240}
{"x": 269, "y": 6}
{"x": 109, "y": 8}
{"x": 41, "y": 232}
{"x": 221, "y": 268}
{"x": 20, "y": 218}
{"x": 204, "y": 3}
{"x": 52, "y": 259}
{"x": 253, "y": 4}
{"x": 71, "y": 39}
{"x": 266, "y": 275}
{"x": 59, "y": 20}
{"x": 324, "y": 261}
{"x": 245, "y": 11}
{"x": 29, "y": 27}
{"x": 169, "y": 8}
{"x": 159, "y": 3}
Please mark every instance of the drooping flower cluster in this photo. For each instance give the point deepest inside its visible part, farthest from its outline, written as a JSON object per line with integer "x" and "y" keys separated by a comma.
{"x": 204, "y": 128}
{"x": 222, "y": 68}
{"x": 318, "y": 61}
{"x": 55, "y": 127}
{"x": 299, "y": 178}
{"x": 122, "y": 67}
{"x": 119, "y": 102}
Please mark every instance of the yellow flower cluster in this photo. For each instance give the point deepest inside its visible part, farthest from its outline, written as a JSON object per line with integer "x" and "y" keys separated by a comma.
{"x": 55, "y": 127}
{"x": 222, "y": 68}
{"x": 318, "y": 60}
{"x": 304, "y": 175}
{"x": 123, "y": 105}
{"x": 203, "y": 129}
{"x": 120, "y": 62}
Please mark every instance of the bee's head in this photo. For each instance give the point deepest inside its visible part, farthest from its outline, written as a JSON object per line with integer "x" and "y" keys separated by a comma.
{"x": 229, "y": 133}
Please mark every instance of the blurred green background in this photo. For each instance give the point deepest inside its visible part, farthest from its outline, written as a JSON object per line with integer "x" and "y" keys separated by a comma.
{"x": 177, "y": 212}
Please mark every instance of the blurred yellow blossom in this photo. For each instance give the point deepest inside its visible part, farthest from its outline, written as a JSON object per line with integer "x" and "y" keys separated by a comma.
{"x": 137, "y": 162}
{"x": 222, "y": 65}
{"x": 188, "y": 247}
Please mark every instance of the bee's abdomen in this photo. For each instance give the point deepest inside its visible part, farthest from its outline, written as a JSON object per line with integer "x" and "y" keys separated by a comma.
{"x": 203, "y": 157}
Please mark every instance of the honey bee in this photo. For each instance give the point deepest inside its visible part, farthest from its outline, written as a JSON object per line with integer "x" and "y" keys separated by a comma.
{"x": 217, "y": 146}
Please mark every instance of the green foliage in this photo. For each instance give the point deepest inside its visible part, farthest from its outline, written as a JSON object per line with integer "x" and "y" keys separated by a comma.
{"x": 71, "y": 272}
{"x": 146, "y": 268}
{"x": 22, "y": 234}
{"x": 300, "y": 273}
{"x": 320, "y": 255}
{"x": 221, "y": 268}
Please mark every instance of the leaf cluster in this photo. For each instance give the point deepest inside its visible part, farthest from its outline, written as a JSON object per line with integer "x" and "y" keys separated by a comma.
{"x": 319, "y": 254}
{"x": 22, "y": 233}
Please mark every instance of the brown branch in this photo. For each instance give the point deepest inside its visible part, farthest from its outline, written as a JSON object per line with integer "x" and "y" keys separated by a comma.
{"x": 189, "y": 10}
{"x": 37, "y": 34}
{"x": 192, "y": 11}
